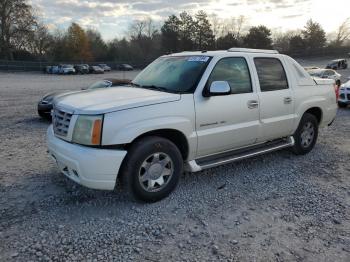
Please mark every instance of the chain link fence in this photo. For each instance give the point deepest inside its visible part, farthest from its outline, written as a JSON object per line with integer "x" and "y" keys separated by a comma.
{"x": 13, "y": 66}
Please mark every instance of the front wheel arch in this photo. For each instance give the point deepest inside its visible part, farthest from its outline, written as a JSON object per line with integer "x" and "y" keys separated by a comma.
{"x": 175, "y": 136}
{"x": 137, "y": 153}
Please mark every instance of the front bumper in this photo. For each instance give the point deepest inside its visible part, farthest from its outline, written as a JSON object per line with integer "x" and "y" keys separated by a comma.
{"x": 91, "y": 167}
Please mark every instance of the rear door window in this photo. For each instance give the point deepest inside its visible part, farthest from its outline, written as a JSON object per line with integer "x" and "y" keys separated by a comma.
{"x": 272, "y": 76}
{"x": 330, "y": 73}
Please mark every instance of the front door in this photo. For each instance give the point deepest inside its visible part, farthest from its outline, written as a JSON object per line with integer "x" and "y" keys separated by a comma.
{"x": 230, "y": 121}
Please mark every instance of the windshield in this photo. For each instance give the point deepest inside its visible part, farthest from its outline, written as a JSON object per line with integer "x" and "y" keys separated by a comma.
{"x": 177, "y": 74}
{"x": 315, "y": 73}
{"x": 101, "y": 84}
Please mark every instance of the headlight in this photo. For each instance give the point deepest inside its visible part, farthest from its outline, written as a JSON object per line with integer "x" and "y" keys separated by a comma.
{"x": 87, "y": 130}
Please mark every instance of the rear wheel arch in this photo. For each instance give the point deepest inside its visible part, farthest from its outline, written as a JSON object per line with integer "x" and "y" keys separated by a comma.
{"x": 305, "y": 136}
{"x": 315, "y": 111}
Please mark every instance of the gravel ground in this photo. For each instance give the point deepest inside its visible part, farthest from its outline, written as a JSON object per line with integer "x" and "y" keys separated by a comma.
{"x": 276, "y": 207}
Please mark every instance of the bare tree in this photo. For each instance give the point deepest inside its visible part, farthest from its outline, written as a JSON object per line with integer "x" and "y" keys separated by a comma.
{"x": 151, "y": 28}
{"x": 240, "y": 23}
{"x": 142, "y": 27}
{"x": 137, "y": 28}
{"x": 343, "y": 33}
{"x": 216, "y": 25}
{"x": 17, "y": 23}
{"x": 41, "y": 40}
{"x": 235, "y": 26}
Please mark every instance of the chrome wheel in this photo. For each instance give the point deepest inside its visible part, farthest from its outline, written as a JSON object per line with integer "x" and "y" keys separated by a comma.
{"x": 307, "y": 134}
{"x": 155, "y": 172}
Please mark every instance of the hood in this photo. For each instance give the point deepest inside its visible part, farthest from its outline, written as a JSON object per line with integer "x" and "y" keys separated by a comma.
{"x": 347, "y": 84}
{"x": 100, "y": 101}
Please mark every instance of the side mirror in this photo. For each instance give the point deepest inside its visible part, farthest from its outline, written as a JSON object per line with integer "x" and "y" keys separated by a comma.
{"x": 219, "y": 88}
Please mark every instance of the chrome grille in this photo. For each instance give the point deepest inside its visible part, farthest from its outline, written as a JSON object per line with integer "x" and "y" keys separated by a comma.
{"x": 60, "y": 121}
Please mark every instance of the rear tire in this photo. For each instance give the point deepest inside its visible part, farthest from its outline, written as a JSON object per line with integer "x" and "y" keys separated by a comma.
{"x": 342, "y": 105}
{"x": 151, "y": 169}
{"x": 306, "y": 135}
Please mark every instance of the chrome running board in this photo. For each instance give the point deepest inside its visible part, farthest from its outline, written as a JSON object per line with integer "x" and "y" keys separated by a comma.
{"x": 236, "y": 155}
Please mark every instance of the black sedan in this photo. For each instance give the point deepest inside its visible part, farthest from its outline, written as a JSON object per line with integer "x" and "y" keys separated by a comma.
{"x": 45, "y": 105}
{"x": 81, "y": 69}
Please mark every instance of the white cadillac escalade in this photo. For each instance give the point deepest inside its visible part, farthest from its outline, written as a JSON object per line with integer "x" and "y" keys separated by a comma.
{"x": 192, "y": 111}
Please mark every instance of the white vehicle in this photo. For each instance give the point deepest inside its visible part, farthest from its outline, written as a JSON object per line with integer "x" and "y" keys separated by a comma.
{"x": 344, "y": 95}
{"x": 105, "y": 67}
{"x": 190, "y": 110}
{"x": 66, "y": 69}
{"x": 326, "y": 73}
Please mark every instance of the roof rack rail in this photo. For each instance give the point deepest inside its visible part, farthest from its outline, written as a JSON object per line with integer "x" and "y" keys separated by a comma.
{"x": 249, "y": 50}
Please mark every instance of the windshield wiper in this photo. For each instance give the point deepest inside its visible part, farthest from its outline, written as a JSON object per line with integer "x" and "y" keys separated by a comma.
{"x": 133, "y": 84}
{"x": 154, "y": 87}
{"x": 158, "y": 88}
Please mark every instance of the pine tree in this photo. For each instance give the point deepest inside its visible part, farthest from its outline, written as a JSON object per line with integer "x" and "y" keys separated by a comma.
{"x": 204, "y": 37}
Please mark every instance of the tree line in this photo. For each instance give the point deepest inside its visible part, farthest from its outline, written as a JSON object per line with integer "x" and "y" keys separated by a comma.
{"x": 24, "y": 37}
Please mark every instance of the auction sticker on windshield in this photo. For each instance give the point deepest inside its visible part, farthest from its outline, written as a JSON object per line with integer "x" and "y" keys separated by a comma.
{"x": 198, "y": 59}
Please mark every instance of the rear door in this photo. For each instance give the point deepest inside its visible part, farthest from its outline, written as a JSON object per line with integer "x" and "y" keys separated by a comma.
{"x": 276, "y": 99}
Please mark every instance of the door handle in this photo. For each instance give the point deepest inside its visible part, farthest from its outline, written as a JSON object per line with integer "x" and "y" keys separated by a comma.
{"x": 252, "y": 104}
{"x": 287, "y": 100}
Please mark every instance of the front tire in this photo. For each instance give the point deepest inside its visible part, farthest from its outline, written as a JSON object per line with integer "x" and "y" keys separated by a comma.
{"x": 306, "y": 135}
{"x": 44, "y": 115}
{"x": 151, "y": 169}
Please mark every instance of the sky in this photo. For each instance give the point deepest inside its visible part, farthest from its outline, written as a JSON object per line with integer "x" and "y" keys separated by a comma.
{"x": 113, "y": 17}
